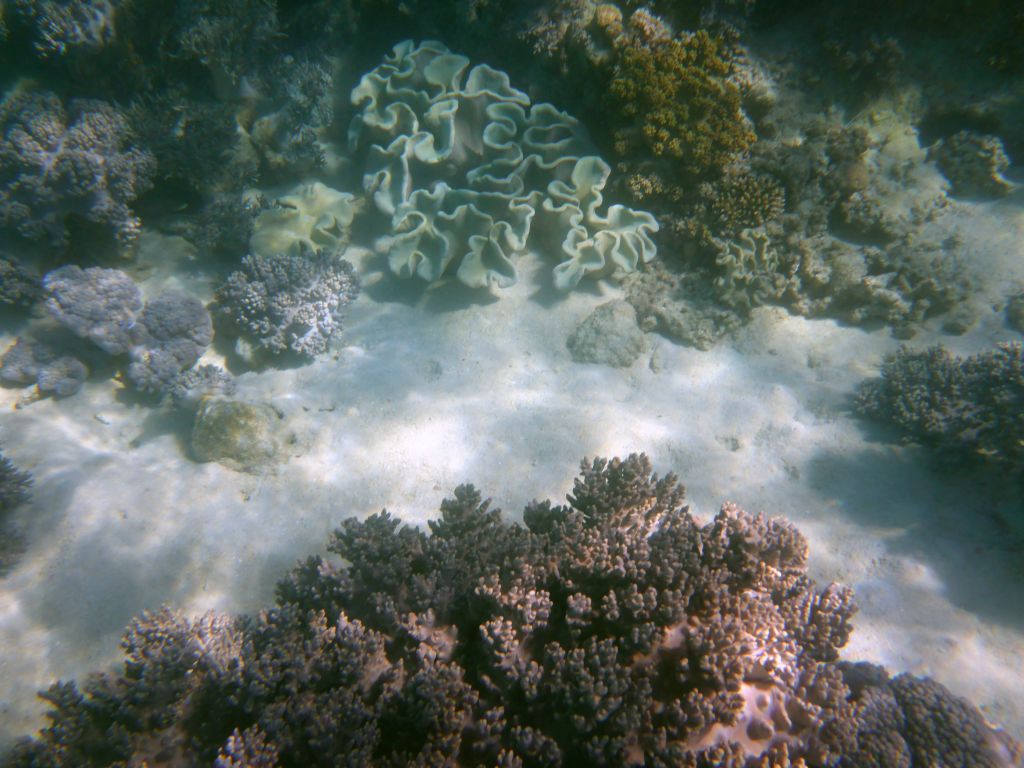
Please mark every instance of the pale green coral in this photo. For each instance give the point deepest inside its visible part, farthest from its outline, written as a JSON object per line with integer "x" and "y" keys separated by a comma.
{"x": 752, "y": 273}
{"x": 471, "y": 174}
{"x": 313, "y": 216}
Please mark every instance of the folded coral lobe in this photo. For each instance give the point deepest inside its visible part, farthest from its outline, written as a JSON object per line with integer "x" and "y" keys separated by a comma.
{"x": 471, "y": 175}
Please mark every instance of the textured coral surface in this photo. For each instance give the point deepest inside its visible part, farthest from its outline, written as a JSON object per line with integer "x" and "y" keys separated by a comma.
{"x": 613, "y": 630}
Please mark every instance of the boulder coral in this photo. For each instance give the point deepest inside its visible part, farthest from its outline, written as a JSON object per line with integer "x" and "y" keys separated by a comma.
{"x": 470, "y": 174}
{"x": 28, "y": 362}
{"x": 98, "y": 304}
{"x": 613, "y": 630}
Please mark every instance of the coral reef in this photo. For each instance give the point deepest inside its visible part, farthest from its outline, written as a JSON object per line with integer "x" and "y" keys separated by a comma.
{"x": 170, "y": 335}
{"x": 752, "y": 273}
{"x": 14, "y": 491}
{"x": 224, "y": 36}
{"x": 286, "y": 132}
{"x": 223, "y": 226}
{"x": 95, "y": 303}
{"x": 867, "y": 65}
{"x": 289, "y": 301}
{"x": 196, "y": 142}
{"x": 164, "y": 339}
{"x": 19, "y": 287}
{"x": 468, "y": 171}
{"x": 28, "y": 361}
{"x": 974, "y": 164}
{"x": 909, "y": 721}
{"x": 14, "y": 485}
{"x": 66, "y": 27}
{"x": 962, "y": 407}
{"x": 615, "y": 630}
{"x": 850, "y": 239}
{"x": 57, "y": 162}
{"x": 742, "y": 200}
{"x": 609, "y": 335}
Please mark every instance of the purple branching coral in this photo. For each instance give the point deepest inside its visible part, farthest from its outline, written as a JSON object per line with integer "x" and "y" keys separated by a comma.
{"x": 289, "y": 302}
{"x": 965, "y": 408}
{"x": 57, "y": 162}
{"x": 615, "y": 630}
{"x": 14, "y": 485}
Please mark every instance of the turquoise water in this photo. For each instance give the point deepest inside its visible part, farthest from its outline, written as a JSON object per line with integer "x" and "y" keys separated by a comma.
{"x": 270, "y": 267}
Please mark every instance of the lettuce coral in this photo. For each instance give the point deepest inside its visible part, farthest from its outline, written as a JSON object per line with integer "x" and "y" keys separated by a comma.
{"x": 471, "y": 174}
{"x": 310, "y": 215}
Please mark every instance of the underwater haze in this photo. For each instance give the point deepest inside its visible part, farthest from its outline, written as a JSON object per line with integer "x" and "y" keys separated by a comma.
{"x": 535, "y": 383}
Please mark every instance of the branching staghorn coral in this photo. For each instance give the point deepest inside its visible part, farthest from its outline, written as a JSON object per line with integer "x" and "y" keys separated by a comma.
{"x": 969, "y": 407}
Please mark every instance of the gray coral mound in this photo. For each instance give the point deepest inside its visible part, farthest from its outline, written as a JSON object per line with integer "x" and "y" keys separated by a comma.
{"x": 289, "y": 302}
{"x": 171, "y": 334}
{"x": 31, "y": 362}
{"x": 95, "y": 303}
{"x": 56, "y": 162}
{"x": 615, "y": 630}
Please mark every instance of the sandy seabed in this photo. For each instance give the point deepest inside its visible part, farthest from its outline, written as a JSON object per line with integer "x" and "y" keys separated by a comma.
{"x": 423, "y": 393}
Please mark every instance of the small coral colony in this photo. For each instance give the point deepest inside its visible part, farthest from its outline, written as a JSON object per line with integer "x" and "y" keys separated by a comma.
{"x": 703, "y": 173}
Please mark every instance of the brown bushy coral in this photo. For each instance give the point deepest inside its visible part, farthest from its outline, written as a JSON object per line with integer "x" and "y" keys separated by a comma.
{"x": 615, "y": 630}
{"x": 675, "y": 98}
